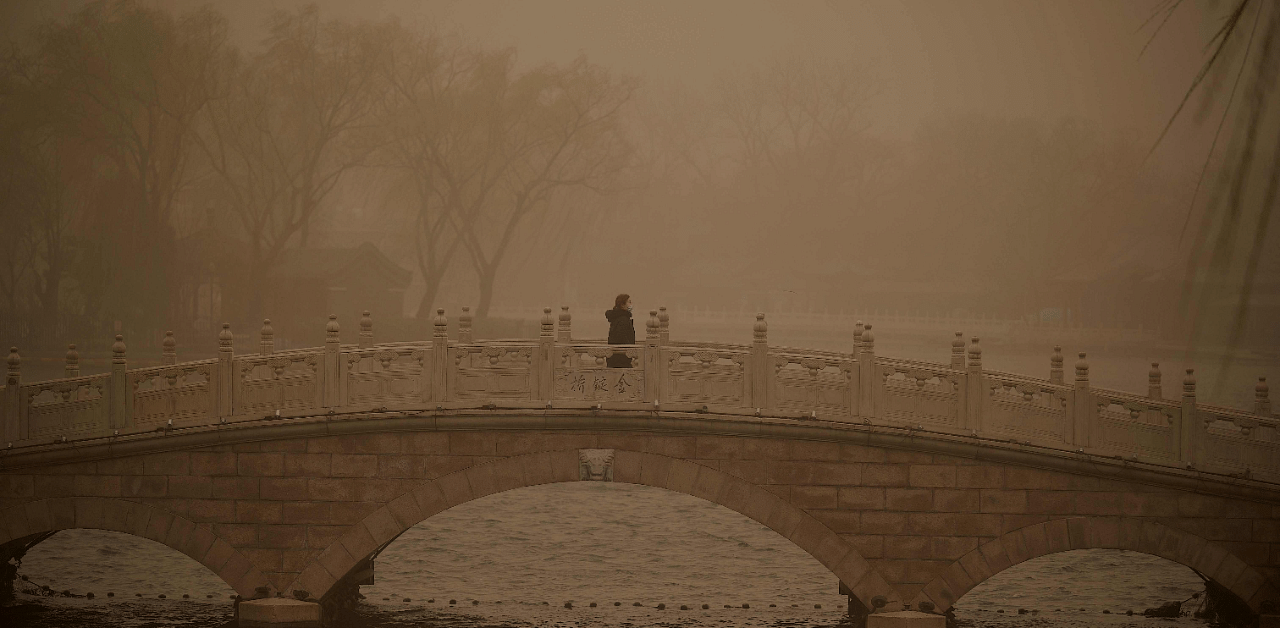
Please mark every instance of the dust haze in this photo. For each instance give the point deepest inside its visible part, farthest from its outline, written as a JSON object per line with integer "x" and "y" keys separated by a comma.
{"x": 173, "y": 166}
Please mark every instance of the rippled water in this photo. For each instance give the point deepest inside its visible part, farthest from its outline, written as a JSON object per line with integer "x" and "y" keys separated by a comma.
{"x": 516, "y": 558}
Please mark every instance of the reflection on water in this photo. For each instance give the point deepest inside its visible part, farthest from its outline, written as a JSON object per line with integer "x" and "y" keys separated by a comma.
{"x": 516, "y": 558}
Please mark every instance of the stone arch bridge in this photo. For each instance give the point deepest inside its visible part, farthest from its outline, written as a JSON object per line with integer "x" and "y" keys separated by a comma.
{"x": 285, "y": 473}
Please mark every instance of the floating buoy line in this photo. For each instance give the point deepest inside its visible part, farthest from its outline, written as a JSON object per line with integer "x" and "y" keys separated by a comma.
{"x": 25, "y": 585}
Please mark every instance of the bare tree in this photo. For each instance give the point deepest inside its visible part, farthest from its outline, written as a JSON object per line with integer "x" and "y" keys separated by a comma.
{"x": 800, "y": 120}
{"x": 130, "y": 81}
{"x": 287, "y": 125}
{"x": 438, "y": 120}
{"x": 566, "y": 134}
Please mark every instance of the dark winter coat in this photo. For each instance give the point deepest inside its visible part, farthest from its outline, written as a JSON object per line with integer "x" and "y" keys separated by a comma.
{"x": 622, "y": 331}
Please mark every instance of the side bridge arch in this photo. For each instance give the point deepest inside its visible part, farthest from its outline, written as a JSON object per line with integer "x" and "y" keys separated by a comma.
{"x": 26, "y": 523}
{"x": 1061, "y": 535}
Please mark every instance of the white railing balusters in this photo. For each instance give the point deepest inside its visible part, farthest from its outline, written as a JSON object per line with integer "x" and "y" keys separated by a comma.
{"x": 958, "y": 397}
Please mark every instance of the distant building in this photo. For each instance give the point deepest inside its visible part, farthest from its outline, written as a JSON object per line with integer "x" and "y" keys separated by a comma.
{"x": 309, "y": 284}
{"x": 299, "y": 291}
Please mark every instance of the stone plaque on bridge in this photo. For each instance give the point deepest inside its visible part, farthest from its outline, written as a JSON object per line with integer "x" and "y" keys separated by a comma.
{"x": 595, "y": 465}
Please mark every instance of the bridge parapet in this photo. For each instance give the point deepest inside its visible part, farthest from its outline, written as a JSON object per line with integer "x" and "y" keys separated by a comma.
{"x": 957, "y": 398}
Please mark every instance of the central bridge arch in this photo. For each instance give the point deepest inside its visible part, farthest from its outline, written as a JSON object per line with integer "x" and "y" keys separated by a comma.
{"x": 381, "y": 527}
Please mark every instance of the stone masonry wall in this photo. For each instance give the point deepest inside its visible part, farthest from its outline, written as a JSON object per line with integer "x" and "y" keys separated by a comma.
{"x": 912, "y": 515}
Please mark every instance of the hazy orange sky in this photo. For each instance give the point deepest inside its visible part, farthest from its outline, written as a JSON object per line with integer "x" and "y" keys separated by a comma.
{"x": 1035, "y": 58}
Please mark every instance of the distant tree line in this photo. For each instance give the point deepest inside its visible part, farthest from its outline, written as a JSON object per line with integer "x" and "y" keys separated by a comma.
{"x": 126, "y": 128}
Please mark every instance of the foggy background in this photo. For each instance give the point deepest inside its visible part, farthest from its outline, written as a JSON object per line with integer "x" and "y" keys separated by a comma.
{"x": 176, "y": 167}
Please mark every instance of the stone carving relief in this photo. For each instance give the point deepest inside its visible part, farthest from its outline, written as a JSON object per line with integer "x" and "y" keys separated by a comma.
{"x": 595, "y": 465}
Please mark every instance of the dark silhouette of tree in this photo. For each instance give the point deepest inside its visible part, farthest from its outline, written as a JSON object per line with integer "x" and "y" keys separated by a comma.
{"x": 1241, "y": 68}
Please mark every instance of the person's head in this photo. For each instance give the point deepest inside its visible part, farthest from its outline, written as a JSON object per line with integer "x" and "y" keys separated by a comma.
{"x": 623, "y": 302}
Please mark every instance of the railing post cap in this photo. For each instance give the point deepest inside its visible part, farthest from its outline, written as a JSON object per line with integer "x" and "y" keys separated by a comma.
{"x": 1189, "y": 383}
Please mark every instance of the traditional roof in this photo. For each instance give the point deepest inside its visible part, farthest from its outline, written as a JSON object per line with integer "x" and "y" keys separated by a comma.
{"x": 340, "y": 266}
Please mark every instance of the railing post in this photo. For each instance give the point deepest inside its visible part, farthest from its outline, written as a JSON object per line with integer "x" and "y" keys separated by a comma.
{"x": 169, "y": 354}
{"x": 1190, "y": 450}
{"x": 464, "y": 326}
{"x": 867, "y": 375}
{"x": 267, "y": 338}
{"x": 957, "y": 352}
{"x": 226, "y": 371}
{"x": 664, "y": 326}
{"x": 652, "y": 359}
{"x": 1261, "y": 400}
{"x": 973, "y": 387}
{"x": 1055, "y": 365}
{"x": 332, "y": 363}
{"x": 73, "y": 362}
{"x": 120, "y": 411}
{"x": 13, "y": 423}
{"x": 1153, "y": 382}
{"x": 760, "y": 363}
{"x": 857, "y": 339}
{"x": 366, "y": 330}
{"x": 440, "y": 358}
{"x": 565, "y": 333}
{"x": 1082, "y": 402}
{"x": 545, "y": 364}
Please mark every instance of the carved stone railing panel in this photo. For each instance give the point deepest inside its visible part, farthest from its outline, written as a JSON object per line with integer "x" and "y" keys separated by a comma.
{"x": 182, "y": 393}
{"x": 1238, "y": 441}
{"x": 387, "y": 375}
{"x": 492, "y": 370}
{"x": 1131, "y": 425}
{"x": 280, "y": 381}
{"x": 71, "y": 407}
{"x": 582, "y": 373}
{"x": 918, "y": 393}
{"x": 812, "y": 381}
{"x": 1025, "y": 408}
{"x": 707, "y": 375}
{"x": 712, "y": 346}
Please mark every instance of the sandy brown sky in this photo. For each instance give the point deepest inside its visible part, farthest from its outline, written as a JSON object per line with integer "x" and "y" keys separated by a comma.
{"x": 1035, "y": 58}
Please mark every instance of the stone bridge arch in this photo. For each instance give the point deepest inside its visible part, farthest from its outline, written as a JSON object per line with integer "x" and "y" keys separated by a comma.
{"x": 381, "y": 527}
{"x": 1073, "y": 533}
{"x": 27, "y": 522}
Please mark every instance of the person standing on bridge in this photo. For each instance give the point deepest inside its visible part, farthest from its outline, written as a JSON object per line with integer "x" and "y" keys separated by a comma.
{"x": 622, "y": 330}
